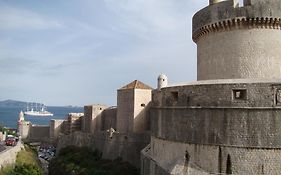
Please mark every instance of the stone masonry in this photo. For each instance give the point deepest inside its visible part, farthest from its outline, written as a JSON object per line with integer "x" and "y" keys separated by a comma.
{"x": 227, "y": 122}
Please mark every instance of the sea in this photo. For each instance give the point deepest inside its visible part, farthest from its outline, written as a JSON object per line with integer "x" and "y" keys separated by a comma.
{"x": 9, "y": 115}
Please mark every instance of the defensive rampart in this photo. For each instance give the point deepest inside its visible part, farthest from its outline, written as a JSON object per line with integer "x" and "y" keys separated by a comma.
{"x": 238, "y": 42}
{"x": 230, "y": 114}
{"x": 9, "y": 155}
{"x": 125, "y": 146}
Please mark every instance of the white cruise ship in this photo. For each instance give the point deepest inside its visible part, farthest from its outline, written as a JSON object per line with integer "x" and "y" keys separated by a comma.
{"x": 41, "y": 113}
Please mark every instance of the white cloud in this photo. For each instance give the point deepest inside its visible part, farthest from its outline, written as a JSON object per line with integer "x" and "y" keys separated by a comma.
{"x": 154, "y": 18}
{"x": 98, "y": 51}
{"x": 15, "y": 18}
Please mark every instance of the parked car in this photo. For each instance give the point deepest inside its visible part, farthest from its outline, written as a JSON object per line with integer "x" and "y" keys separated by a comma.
{"x": 10, "y": 141}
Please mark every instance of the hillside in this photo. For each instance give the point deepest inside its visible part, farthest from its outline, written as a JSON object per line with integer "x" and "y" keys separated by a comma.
{"x": 14, "y": 103}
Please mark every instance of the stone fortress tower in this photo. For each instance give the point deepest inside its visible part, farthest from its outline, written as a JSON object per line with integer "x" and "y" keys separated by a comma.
{"x": 238, "y": 42}
{"x": 228, "y": 122}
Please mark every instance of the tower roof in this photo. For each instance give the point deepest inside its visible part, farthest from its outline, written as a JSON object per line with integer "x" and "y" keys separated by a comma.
{"x": 136, "y": 84}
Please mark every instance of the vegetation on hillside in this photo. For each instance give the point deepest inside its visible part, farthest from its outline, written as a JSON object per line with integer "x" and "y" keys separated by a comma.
{"x": 26, "y": 164}
{"x": 84, "y": 161}
{"x": 4, "y": 129}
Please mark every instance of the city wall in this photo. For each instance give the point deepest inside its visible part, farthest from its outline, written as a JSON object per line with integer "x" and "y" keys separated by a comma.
{"x": 125, "y": 146}
{"x": 210, "y": 114}
{"x": 9, "y": 155}
{"x": 236, "y": 41}
{"x": 39, "y": 133}
{"x": 170, "y": 157}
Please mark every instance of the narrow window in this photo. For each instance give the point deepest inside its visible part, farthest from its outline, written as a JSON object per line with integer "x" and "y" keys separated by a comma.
{"x": 228, "y": 165}
{"x": 220, "y": 160}
{"x": 187, "y": 156}
{"x": 239, "y": 94}
{"x": 262, "y": 169}
{"x": 175, "y": 95}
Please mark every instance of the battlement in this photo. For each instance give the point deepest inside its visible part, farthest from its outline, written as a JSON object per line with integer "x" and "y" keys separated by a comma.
{"x": 223, "y": 15}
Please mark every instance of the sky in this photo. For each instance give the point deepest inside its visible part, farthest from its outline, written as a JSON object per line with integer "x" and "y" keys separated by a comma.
{"x": 79, "y": 52}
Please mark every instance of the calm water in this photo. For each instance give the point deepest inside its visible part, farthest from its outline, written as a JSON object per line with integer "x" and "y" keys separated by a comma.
{"x": 9, "y": 115}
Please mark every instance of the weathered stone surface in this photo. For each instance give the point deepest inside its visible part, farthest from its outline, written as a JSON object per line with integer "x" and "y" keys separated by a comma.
{"x": 125, "y": 146}
{"x": 213, "y": 159}
{"x": 238, "y": 42}
{"x": 210, "y": 114}
{"x": 9, "y": 155}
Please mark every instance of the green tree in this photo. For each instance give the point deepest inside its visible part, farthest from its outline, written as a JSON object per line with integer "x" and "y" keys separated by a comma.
{"x": 25, "y": 169}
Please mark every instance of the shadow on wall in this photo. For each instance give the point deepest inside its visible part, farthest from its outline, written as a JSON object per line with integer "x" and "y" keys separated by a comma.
{"x": 108, "y": 119}
{"x": 142, "y": 120}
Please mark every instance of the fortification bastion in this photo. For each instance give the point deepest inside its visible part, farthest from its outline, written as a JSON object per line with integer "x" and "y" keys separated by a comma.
{"x": 235, "y": 41}
{"x": 224, "y": 113}
{"x": 228, "y": 121}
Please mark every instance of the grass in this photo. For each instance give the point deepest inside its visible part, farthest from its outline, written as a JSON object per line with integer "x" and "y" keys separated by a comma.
{"x": 28, "y": 156}
{"x": 6, "y": 170}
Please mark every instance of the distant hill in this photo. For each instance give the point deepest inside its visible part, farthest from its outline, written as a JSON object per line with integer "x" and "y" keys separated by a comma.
{"x": 14, "y": 103}
{"x": 23, "y": 104}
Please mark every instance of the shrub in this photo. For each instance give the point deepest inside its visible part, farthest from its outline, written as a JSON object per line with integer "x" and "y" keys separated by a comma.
{"x": 25, "y": 169}
{"x": 84, "y": 161}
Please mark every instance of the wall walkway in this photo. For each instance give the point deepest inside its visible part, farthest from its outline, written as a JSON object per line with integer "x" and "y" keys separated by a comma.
{"x": 9, "y": 155}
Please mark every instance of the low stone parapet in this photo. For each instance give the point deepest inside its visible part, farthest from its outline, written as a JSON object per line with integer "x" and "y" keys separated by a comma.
{"x": 9, "y": 155}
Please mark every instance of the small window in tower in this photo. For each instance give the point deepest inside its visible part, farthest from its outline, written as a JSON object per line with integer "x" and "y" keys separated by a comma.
{"x": 239, "y": 94}
{"x": 175, "y": 95}
{"x": 142, "y": 105}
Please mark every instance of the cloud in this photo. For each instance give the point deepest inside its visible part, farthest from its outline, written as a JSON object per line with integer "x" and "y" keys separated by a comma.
{"x": 23, "y": 66}
{"x": 94, "y": 49}
{"x": 149, "y": 19}
{"x": 12, "y": 65}
{"x": 15, "y": 18}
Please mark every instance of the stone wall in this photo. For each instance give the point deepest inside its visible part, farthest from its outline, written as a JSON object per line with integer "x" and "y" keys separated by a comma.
{"x": 169, "y": 156}
{"x": 237, "y": 42}
{"x": 109, "y": 118}
{"x": 125, "y": 146}
{"x": 9, "y": 155}
{"x": 39, "y": 133}
{"x": 258, "y": 94}
{"x": 92, "y": 118}
{"x": 239, "y": 54}
{"x": 56, "y": 127}
{"x": 141, "y": 110}
{"x": 210, "y": 114}
{"x": 125, "y": 111}
{"x": 132, "y": 113}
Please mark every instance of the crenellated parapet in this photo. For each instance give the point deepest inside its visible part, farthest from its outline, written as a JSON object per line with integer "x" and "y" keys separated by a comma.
{"x": 228, "y": 15}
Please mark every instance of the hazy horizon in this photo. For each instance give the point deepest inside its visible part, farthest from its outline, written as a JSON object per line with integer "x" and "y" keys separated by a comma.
{"x": 80, "y": 52}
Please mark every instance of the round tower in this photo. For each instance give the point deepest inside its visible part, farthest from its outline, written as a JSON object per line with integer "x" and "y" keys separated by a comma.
{"x": 162, "y": 81}
{"x": 238, "y": 41}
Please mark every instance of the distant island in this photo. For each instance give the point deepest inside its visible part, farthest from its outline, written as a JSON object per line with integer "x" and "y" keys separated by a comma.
{"x": 13, "y": 103}
{"x": 22, "y": 104}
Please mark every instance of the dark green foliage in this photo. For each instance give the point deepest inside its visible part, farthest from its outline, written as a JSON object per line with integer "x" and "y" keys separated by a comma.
{"x": 84, "y": 161}
{"x": 25, "y": 169}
